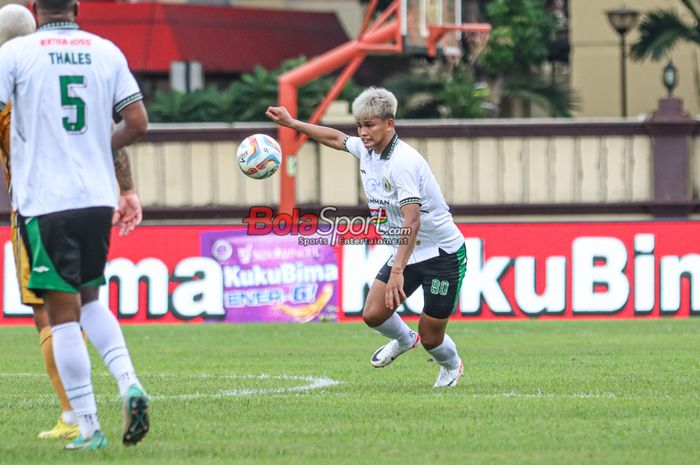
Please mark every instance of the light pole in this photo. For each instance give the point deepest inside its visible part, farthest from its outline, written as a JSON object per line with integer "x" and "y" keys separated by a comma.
{"x": 670, "y": 78}
{"x": 622, "y": 20}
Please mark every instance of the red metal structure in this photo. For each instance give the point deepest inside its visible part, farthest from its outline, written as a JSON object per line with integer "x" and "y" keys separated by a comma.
{"x": 383, "y": 35}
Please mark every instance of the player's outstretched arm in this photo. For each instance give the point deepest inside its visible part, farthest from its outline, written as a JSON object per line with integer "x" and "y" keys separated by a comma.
{"x": 327, "y": 136}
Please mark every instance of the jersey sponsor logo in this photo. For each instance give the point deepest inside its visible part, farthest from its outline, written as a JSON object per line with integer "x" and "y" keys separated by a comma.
{"x": 378, "y": 201}
{"x": 40, "y": 269}
{"x": 75, "y": 42}
{"x": 371, "y": 185}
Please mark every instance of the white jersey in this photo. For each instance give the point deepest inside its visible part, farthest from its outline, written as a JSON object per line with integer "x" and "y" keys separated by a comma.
{"x": 401, "y": 176}
{"x": 65, "y": 85}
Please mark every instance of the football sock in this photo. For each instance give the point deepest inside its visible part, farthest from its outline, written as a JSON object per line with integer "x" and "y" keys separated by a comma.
{"x": 446, "y": 353}
{"x": 73, "y": 363}
{"x": 105, "y": 334}
{"x": 88, "y": 424}
{"x": 46, "y": 345}
{"x": 395, "y": 328}
{"x": 69, "y": 417}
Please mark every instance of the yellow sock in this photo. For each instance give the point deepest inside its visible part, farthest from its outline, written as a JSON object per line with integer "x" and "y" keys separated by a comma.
{"x": 51, "y": 370}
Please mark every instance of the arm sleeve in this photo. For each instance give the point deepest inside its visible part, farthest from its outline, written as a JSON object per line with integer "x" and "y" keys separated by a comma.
{"x": 355, "y": 146}
{"x": 407, "y": 180}
{"x": 127, "y": 89}
{"x": 7, "y": 76}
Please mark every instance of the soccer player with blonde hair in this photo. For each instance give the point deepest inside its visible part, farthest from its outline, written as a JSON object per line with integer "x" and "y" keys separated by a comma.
{"x": 429, "y": 252}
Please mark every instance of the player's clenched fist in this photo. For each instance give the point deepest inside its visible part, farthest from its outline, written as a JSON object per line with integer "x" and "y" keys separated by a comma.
{"x": 279, "y": 115}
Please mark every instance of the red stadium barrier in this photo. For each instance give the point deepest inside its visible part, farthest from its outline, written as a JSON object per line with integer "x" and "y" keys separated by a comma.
{"x": 200, "y": 274}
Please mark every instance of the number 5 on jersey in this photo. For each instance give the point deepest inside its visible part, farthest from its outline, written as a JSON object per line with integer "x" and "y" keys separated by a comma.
{"x": 70, "y": 102}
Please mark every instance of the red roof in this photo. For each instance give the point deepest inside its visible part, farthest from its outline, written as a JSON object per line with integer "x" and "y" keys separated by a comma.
{"x": 224, "y": 39}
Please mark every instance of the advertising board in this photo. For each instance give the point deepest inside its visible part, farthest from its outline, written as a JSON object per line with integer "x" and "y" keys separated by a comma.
{"x": 202, "y": 274}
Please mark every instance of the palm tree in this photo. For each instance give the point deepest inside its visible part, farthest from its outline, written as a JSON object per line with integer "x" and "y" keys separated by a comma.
{"x": 660, "y": 31}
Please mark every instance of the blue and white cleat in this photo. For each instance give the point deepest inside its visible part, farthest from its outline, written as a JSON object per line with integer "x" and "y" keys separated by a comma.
{"x": 94, "y": 442}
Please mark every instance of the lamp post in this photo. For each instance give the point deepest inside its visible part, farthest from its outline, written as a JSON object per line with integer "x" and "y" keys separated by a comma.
{"x": 670, "y": 77}
{"x": 622, "y": 20}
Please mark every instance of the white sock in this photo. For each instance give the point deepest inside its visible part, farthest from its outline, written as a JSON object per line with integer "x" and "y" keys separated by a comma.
{"x": 446, "y": 353}
{"x": 88, "y": 424}
{"x": 73, "y": 363}
{"x": 69, "y": 417}
{"x": 103, "y": 330}
{"x": 395, "y": 328}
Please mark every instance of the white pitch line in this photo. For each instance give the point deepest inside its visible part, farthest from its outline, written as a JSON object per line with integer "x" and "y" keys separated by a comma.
{"x": 313, "y": 383}
{"x": 544, "y": 395}
{"x": 310, "y": 383}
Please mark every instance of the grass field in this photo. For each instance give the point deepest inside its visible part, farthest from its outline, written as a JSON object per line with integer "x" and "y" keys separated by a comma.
{"x": 600, "y": 392}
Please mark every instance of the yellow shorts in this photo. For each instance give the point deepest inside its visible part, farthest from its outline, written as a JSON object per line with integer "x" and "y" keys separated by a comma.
{"x": 22, "y": 264}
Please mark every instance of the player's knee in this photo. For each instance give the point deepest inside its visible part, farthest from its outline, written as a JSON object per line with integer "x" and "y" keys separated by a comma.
{"x": 372, "y": 318}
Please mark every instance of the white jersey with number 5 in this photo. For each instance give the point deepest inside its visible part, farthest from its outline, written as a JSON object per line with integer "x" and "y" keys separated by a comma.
{"x": 65, "y": 85}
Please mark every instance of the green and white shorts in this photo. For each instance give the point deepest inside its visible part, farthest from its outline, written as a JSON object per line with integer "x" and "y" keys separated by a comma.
{"x": 440, "y": 277}
{"x": 67, "y": 249}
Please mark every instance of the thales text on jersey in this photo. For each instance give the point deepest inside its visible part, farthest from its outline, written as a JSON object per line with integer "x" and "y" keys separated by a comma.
{"x": 70, "y": 58}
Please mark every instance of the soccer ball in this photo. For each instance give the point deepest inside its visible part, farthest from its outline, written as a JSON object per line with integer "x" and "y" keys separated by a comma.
{"x": 259, "y": 156}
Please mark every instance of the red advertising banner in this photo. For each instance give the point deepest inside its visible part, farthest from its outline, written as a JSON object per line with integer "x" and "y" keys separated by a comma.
{"x": 197, "y": 274}
{"x": 157, "y": 275}
{"x": 565, "y": 271}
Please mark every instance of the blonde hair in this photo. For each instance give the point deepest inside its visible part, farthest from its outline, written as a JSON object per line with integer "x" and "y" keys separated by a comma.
{"x": 15, "y": 21}
{"x": 375, "y": 101}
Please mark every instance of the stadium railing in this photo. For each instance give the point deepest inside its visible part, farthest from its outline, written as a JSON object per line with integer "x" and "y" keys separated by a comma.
{"x": 485, "y": 168}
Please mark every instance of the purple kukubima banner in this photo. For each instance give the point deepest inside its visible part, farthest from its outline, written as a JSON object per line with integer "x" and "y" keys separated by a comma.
{"x": 273, "y": 278}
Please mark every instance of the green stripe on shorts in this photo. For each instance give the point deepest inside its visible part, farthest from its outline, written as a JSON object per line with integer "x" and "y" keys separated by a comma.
{"x": 462, "y": 260}
{"x": 43, "y": 274}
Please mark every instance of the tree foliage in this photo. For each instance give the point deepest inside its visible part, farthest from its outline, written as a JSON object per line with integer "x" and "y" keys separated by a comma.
{"x": 661, "y": 30}
{"x": 243, "y": 100}
{"x": 522, "y": 31}
{"x": 558, "y": 98}
{"x": 437, "y": 92}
